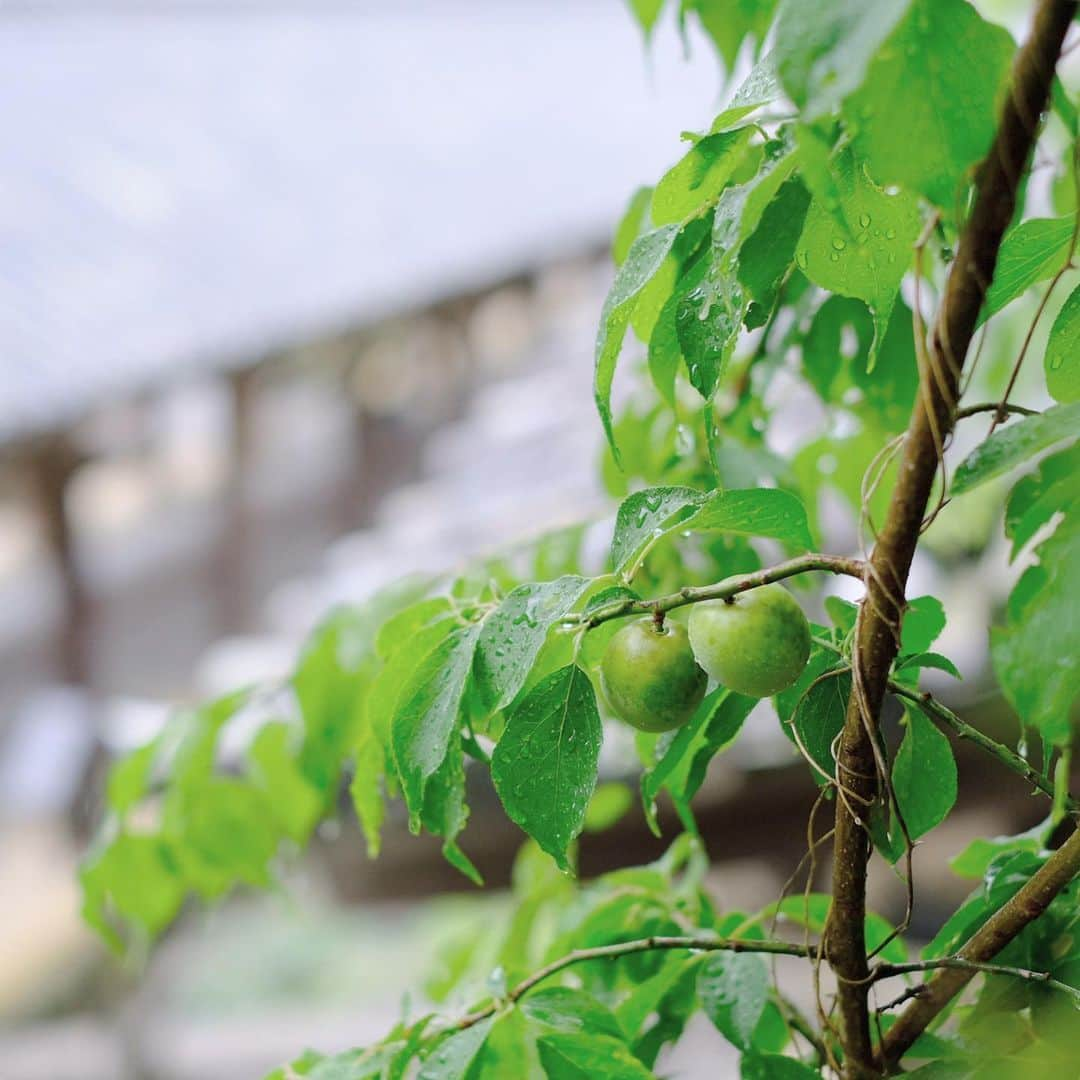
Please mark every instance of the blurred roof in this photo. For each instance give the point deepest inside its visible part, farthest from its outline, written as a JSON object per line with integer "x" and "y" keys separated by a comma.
{"x": 193, "y": 184}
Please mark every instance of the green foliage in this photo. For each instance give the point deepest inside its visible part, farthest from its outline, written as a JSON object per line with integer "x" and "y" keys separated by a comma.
{"x": 758, "y": 313}
{"x": 924, "y": 783}
{"x": 920, "y": 82}
{"x": 544, "y": 766}
{"x": 1015, "y": 444}
{"x": 1032, "y": 251}
{"x": 824, "y": 49}
{"x": 1062, "y": 361}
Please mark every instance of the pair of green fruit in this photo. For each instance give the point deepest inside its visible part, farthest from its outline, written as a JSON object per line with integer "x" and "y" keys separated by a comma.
{"x": 757, "y": 643}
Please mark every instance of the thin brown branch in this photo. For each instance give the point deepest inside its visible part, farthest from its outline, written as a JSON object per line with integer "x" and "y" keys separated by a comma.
{"x": 994, "y": 406}
{"x": 722, "y": 590}
{"x": 1009, "y": 758}
{"x": 972, "y": 968}
{"x": 1002, "y": 927}
{"x": 997, "y": 181}
{"x": 628, "y": 948}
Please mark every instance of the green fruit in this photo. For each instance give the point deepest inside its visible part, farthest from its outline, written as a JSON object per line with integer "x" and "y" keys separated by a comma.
{"x": 755, "y": 644}
{"x": 650, "y": 677}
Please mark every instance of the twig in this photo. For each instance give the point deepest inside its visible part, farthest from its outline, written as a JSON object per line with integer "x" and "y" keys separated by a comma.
{"x": 973, "y": 968}
{"x": 1033, "y": 898}
{"x": 1009, "y": 758}
{"x": 627, "y": 948}
{"x": 994, "y": 406}
{"x": 997, "y": 182}
{"x": 722, "y": 590}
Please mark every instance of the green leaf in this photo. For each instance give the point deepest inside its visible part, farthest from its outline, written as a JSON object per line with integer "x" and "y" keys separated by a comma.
{"x": 733, "y": 988}
{"x": 400, "y": 630}
{"x": 1014, "y": 444}
{"x": 223, "y": 832}
{"x": 514, "y": 633}
{"x": 1036, "y": 654}
{"x": 129, "y": 779}
{"x": 544, "y": 766}
{"x": 838, "y": 373}
{"x": 742, "y": 209}
{"x": 819, "y": 718}
{"x": 640, "y": 516}
{"x": 699, "y": 176}
{"x": 976, "y": 858}
{"x": 509, "y": 1050}
{"x": 857, "y": 240}
{"x": 768, "y": 253}
{"x": 1031, "y": 252}
{"x": 644, "y": 259}
{"x": 1062, "y": 361}
{"x": 755, "y": 1066}
{"x": 665, "y": 352}
{"x": 646, "y": 998}
{"x": 366, "y": 789}
{"x": 451, "y": 1058}
{"x": 729, "y": 22}
{"x": 293, "y": 800}
{"x": 924, "y": 619}
{"x": 686, "y": 752}
{"x": 756, "y": 512}
{"x": 1037, "y": 497}
{"x": 564, "y": 1009}
{"x": 445, "y": 813}
{"x": 936, "y": 661}
{"x": 759, "y": 88}
{"x": 427, "y": 714}
{"x": 709, "y": 309}
{"x": 134, "y": 877}
{"x": 927, "y": 110}
{"x": 923, "y": 776}
{"x": 1004, "y": 878}
{"x": 822, "y": 50}
{"x": 588, "y": 1056}
{"x": 398, "y": 672}
{"x": 335, "y": 667}
{"x": 646, "y": 12}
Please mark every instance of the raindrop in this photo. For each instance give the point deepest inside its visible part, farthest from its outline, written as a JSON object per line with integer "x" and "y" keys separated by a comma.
{"x": 839, "y": 243}
{"x": 800, "y": 258}
{"x": 864, "y": 220}
{"x": 1056, "y": 362}
{"x": 834, "y": 256}
{"x": 653, "y": 502}
{"x": 890, "y": 234}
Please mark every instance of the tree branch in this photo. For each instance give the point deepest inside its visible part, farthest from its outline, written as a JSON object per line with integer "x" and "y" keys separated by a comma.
{"x": 723, "y": 590}
{"x": 931, "y": 423}
{"x": 973, "y": 968}
{"x": 627, "y": 948}
{"x": 994, "y": 407}
{"x": 1011, "y": 760}
{"x": 1024, "y": 908}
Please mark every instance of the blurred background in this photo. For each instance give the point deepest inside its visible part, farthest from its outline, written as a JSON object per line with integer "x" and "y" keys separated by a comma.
{"x": 295, "y": 299}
